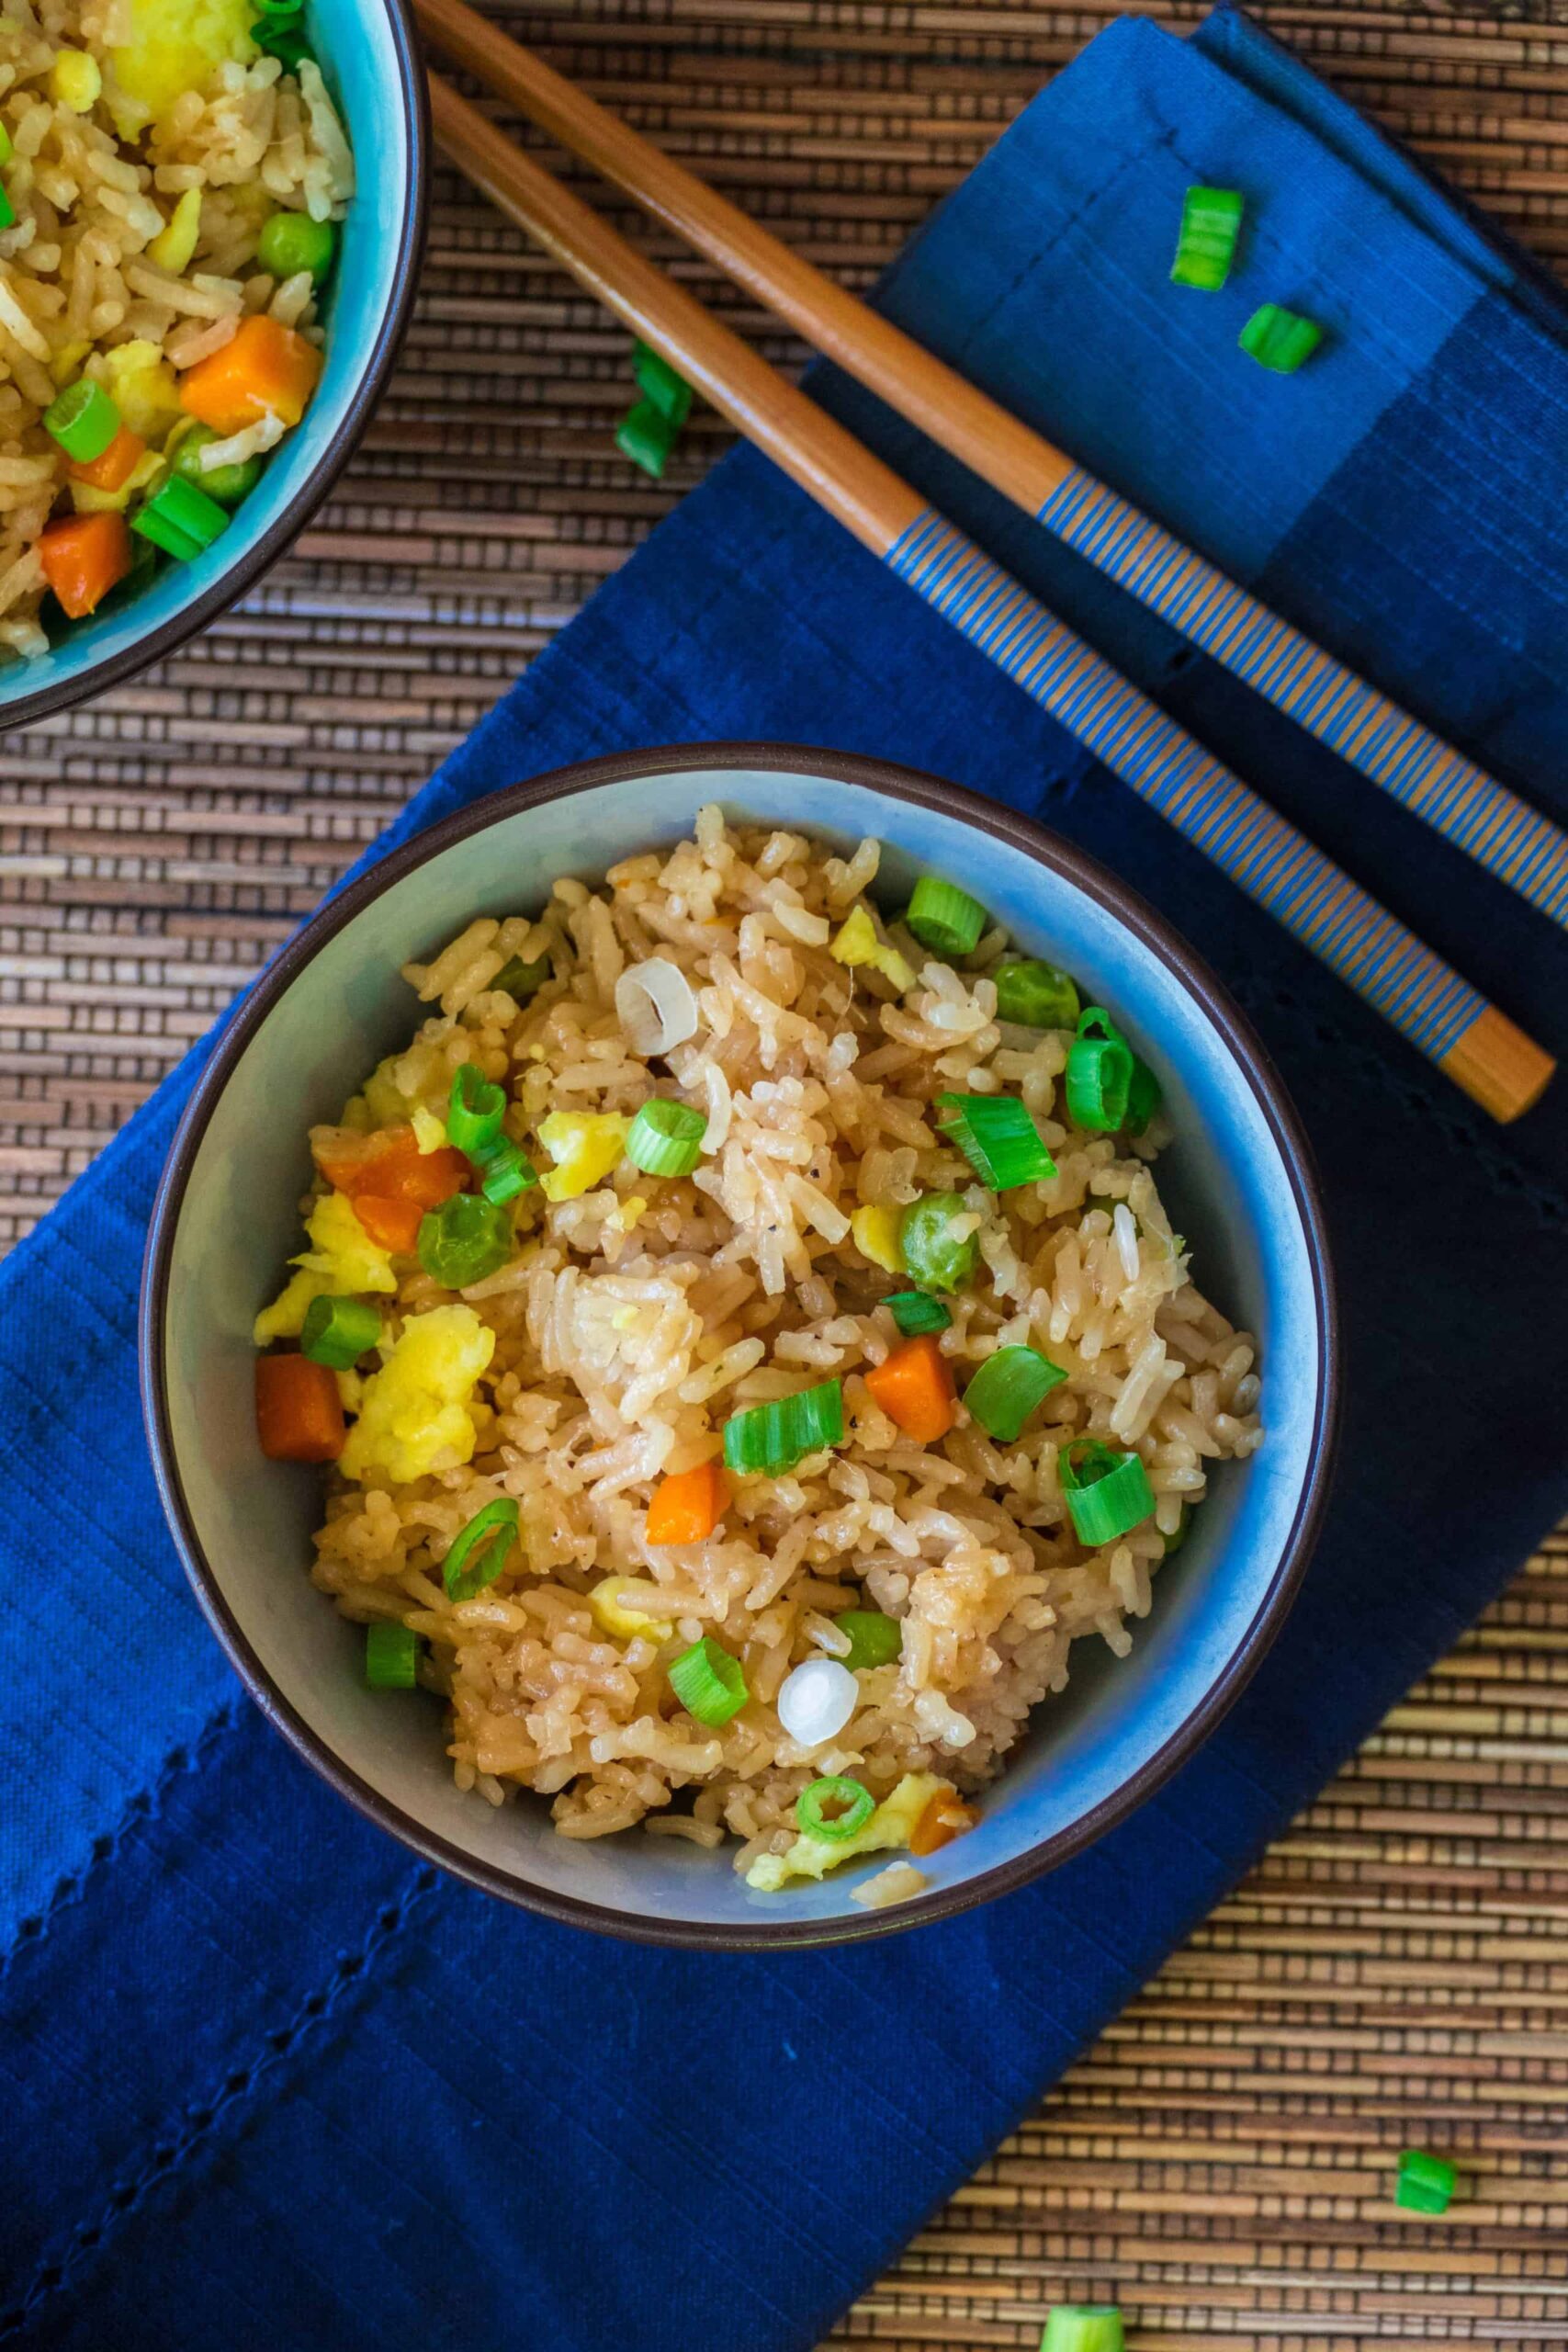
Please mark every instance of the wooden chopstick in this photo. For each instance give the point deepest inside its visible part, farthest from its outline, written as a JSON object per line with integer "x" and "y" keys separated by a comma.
{"x": 1405, "y": 758}
{"x": 1440, "y": 1013}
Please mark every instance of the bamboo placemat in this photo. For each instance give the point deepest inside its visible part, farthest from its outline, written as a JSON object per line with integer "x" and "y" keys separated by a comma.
{"x": 1396, "y": 1970}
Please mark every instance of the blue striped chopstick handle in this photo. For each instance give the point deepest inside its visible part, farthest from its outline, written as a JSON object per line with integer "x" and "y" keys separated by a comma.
{"x": 1425, "y": 1000}
{"x": 1461, "y": 801}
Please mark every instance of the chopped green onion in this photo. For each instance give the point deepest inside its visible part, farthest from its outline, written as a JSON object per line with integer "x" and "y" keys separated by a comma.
{"x": 391, "y": 1656}
{"x": 1143, "y": 1098}
{"x": 6, "y": 150}
{"x": 475, "y": 1111}
{"x": 1279, "y": 339}
{"x": 1035, "y": 995}
{"x": 1084, "y": 2327}
{"x": 464, "y": 1240}
{"x": 944, "y": 918}
{"x": 1177, "y": 1536}
{"x": 7, "y": 211}
{"x": 499, "y": 1521}
{"x": 1099, "y": 1073}
{"x": 227, "y": 484}
{"x": 709, "y": 1682}
{"x": 646, "y": 436}
{"x": 180, "y": 519}
{"x": 83, "y": 420}
{"x": 1095, "y": 1021}
{"x": 504, "y": 1171}
{"x": 657, "y": 380}
{"x": 1108, "y": 1493}
{"x": 337, "y": 1332}
{"x": 279, "y": 11}
{"x": 1211, "y": 221}
{"x": 874, "y": 1639}
{"x": 856, "y": 1806}
{"x": 666, "y": 1139}
{"x": 1006, "y": 1388}
{"x": 915, "y": 1312}
{"x": 284, "y": 41}
{"x": 1425, "y": 2183}
{"x": 998, "y": 1136}
{"x": 775, "y": 1436}
{"x": 521, "y": 981}
{"x": 930, "y": 1253}
{"x": 291, "y": 241}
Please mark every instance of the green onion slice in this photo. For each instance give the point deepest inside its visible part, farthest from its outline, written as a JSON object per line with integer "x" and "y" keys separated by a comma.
{"x": 391, "y": 1656}
{"x": 491, "y": 1531}
{"x": 775, "y": 1436}
{"x": 929, "y": 1251}
{"x": 1143, "y": 1097}
{"x": 504, "y": 1171}
{"x": 1084, "y": 2327}
{"x": 522, "y": 980}
{"x": 1210, "y": 223}
{"x": 8, "y": 210}
{"x": 944, "y": 918}
{"x": 874, "y": 1639}
{"x": 1426, "y": 2182}
{"x": 464, "y": 1240}
{"x": 914, "y": 1312}
{"x": 1099, "y": 1074}
{"x": 1279, "y": 339}
{"x": 646, "y": 436}
{"x": 1108, "y": 1493}
{"x": 6, "y": 150}
{"x": 658, "y": 382}
{"x": 666, "y": 1139}
{"x": 1035, "y": 995}
{"x": 284, "y": 41}
{"x": 83, "y": 420}
{"x": 475, "y": 1111}
{"x": 855, "y": 1807}
{"x": 1177, "y": 1536}
{"x": 998, "y": 1136}
{"x": 709, "y": 1682}
{"x": 180, "y": 519}
{"x": 337, "y": 1332}
{"x": 1006, "y": 1388}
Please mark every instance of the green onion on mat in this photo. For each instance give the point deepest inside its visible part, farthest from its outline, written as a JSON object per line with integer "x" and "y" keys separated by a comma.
{"x": 1099, "y": 1074}
{"x": 1035, "y": 995}
{"x": 1425, "y": 2183}
{"x": 1006, "y": 1388}
{"x": 930, "y": 1253}
{"x": 180, "y": 519}
{"x": 291, "y": 241}
{"x": 491, "y": 1531}
{"x": 1084, "y": 2327}
{"x": 1108, "y": 1494}
{"x": 709, "y": 1682}
{"x": 944, "y": 918}
{"x": 464, "y": 1240}
{"x": 1279, "y": 339}
{"x": 519, "y": 981}
{"x": 875, "y": 1640}
{"x": 666, "y": 1139}
{"x": 391, "y": 1657}
{"x": 658, "y": 382}
{"x": 1210, "y": 221}
{"x": 856, "y": 1806}
{"x": 475, "y": 1111}
{"x": 646, "y": 436}
{"x": 337, "y": 1332}
{"x": 998, "y": 1136}
{"x": 777, "y": 1435}
{"x": 915, "y": 1312}
{"x": 504, "y": 1171}
{"x": 83, "y": 420}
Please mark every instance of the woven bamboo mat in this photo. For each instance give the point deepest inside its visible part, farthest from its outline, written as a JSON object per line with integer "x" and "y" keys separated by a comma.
{"x": 1396, "y": 1970}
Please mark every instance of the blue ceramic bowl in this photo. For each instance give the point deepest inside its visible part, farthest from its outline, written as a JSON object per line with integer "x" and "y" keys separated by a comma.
{"x": 1237, "y": 1182}
{"x": 371, "y": 66}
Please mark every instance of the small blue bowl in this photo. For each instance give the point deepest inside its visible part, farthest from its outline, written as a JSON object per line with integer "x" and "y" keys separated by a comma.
{"x": 371, "y": 66}
{"x": 1237, "y": 1181}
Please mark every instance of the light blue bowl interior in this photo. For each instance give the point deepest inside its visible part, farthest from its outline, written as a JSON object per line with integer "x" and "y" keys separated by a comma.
{"x": 359, "y": 62}
{"x": 1225, "y": 1180}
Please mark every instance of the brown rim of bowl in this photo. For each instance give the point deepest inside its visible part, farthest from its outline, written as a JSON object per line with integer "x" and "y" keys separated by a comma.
{"x": 923, "y": 791}
{"x": 414, "y": 98}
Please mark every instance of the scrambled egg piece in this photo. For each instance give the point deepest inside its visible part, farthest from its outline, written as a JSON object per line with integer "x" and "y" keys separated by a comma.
{"x": 174, "y": 244}
{"x": 857, "y": 943}
{"x": 892, "y": 1825}
{"x": 414, "y": 1416}
{"x": 877, "y": 1233}
{"x": 397, "y": 1085}
{"x": 175, "y": 46}
{"x": 585, "y": 1145}
{"x": 143, "y": 388}
{"x": 429, "y": 1132}
{"x": 74, "y": 79}
{"x": 343, "y": 1263}
{"x": 625, "y": 1624}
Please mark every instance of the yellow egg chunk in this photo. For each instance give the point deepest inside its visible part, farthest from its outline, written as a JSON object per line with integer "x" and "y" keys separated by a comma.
{"x": 414, "y": 1416}
{"x": 585, "y": 1145}
{"x": 893, "y": 1824}
{"x": 143, "y": 388}
{"x": 625, "y": 1624}
{"x": 74, "y": 79}
{"x": 175, "y": 46}
{"x": 174, "y": 245}
{"x": 877, "y": 1233}
{"x": 857, "y": 943}
{"x": 343, "y": 1263}
{"x": 429, "y": 1132}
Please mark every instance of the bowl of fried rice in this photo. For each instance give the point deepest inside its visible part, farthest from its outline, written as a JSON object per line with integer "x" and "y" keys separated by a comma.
{"x": 211, "y": 220}
{"x": 740, "y": 1347}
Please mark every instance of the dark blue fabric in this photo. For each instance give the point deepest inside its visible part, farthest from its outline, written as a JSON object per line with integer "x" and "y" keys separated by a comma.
{"x": 267, "y": 2081}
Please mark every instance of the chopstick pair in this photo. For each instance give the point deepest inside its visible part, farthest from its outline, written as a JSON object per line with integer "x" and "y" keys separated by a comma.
{"x": 1440, "y": 1013}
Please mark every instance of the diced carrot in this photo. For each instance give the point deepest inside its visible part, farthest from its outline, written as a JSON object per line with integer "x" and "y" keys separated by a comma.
{"x": 687, "y": 1507}
{"x": 82, "y": 556}
{"x": 391, "y": 1165}
{"x": 113, "y": 468}
{"x": 262, "y": 366}
{"x": 391, "y": 1225}
{"x": 945, "y": 1818}
{"x": 914, "y": 1387}
{"x": 298, "y": 1410}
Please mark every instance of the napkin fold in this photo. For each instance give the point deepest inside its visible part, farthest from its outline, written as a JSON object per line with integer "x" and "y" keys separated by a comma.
{"x": 272, "y": 2082}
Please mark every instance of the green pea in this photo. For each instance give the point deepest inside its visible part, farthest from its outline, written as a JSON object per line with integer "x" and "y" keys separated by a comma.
{"x": 227, "y": 484}
{"x": 930, "y": 1253}
{"x": 291, "y": 241}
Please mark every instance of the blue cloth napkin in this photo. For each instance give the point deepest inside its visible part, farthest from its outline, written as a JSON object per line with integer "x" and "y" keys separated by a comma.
{"x": 269, "y": 2081}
